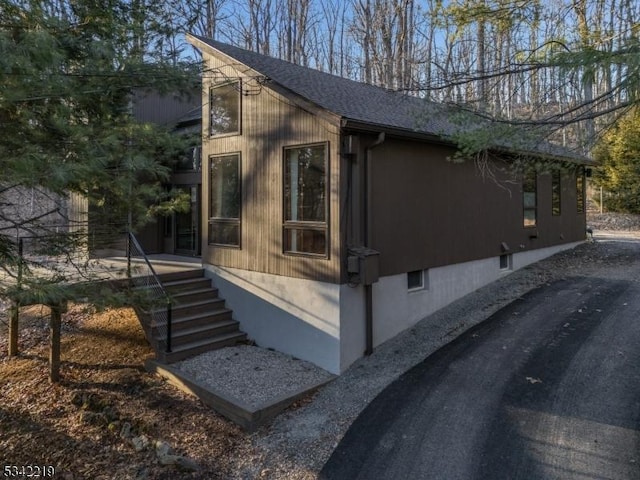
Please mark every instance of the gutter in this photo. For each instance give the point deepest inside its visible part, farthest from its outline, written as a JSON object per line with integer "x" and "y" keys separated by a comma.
{"x": 368, "y": 288}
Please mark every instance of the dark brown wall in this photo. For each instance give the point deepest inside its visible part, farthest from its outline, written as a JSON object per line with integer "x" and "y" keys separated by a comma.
{"x": 165, "y": 110}
{"x": 429, "y": 212}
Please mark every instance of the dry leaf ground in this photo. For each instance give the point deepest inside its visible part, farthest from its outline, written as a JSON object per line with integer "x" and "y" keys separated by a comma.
{"x": 77, "y": 426}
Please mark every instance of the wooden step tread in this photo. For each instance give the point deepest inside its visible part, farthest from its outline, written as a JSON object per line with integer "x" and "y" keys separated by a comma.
{"x": 208, "y": 341}
{"x": 197, "y": 303}
{"x": 183, "y": 332}
{"x": 184, "y": 293}
{"x": 197, "y": 316}
{"x": 184, "y": 281}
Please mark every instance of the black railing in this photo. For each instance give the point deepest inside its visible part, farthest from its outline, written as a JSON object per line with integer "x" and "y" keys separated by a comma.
{"x": 146, "y": 279}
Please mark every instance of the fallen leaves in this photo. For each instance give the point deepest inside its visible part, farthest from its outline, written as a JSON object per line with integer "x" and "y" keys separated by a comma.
{"x": 76, "y": 426}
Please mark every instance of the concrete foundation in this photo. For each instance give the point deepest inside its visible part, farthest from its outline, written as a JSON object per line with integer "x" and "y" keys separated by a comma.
{"x": 325, "y": 323}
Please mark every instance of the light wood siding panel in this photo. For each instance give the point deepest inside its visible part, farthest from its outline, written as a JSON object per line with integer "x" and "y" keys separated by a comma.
{"x": 270, "y": 122}
{"x": 77, "y": 212}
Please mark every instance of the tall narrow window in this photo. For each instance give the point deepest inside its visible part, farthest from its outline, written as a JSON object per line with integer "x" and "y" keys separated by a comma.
{"x": 224, "y": 109}
{"x": 580, "y": 190}
{"x": 225, "y": 200}
{"x": 305, "y": 200}
{"x": 529, "y": 201}
{"x": 556, "y": 188}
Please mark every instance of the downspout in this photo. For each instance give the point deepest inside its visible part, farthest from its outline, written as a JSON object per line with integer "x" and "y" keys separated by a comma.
{"x": 368, "y": 289}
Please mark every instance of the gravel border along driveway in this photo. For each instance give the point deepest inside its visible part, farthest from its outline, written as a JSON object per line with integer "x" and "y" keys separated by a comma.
{"x": 299, "y": 441}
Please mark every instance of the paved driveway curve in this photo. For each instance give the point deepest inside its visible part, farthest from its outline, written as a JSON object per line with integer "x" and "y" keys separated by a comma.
{"x": 547, "y": 388}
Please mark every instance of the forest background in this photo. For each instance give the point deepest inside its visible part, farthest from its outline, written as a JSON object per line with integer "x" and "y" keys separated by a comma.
{"x": 564, "y": 70}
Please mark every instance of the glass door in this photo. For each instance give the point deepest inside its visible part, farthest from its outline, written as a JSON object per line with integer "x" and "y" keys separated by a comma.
{"x": 187, "y": 224}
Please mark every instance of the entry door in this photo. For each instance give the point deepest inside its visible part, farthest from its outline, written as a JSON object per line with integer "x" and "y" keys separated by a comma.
{"x": 187, "y": 224}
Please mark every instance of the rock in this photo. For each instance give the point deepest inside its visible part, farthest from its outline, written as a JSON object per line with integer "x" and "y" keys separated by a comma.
{"x": 110, "y": 413}
{"x": 182, "y": 463}
{"x": 142, "y": 473}
{"x": 187, "y": 464}
{"x": 140, "y": 443}
{"x": 92, "y": 418}
{"x": 125, "y": 431}
{"x": 92, "y": 402}
{"x": 162, "y": 448}
{"x": 168, "y": 459}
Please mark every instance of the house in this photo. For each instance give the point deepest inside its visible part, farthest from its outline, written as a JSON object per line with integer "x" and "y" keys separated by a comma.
{"x": 174, "y": 234}
{"x": 334, "y": 217}
{"x": 180, "y": 232}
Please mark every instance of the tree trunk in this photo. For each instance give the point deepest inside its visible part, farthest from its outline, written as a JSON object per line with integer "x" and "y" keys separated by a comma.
{"x": 54, "y": 339}
{"x": 13, "y": 329}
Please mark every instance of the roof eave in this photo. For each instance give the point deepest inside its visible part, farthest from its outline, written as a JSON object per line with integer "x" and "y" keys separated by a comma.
{"x": 578, "y": 160}
{"x": 368, "y": 127}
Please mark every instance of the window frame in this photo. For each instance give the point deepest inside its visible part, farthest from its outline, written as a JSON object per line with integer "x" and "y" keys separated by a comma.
{"x": 505, "y": 262}
{"x": 581, "y": 190}
{"x": 424, "y": 280}
{"x": 322, "y": 226}
{"x": 556, "y": 192}
{"x": 238, "y": 88}
{"x": 224, "y": 220}
{"x": 530, "y": 177}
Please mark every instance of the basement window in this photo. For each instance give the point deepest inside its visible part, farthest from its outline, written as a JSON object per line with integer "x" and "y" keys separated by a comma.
{"x": 418, "y": 280}
{"x": 506, "y": 261}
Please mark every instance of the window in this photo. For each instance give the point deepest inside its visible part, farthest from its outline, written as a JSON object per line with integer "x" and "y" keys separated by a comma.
{"x": 190, "y": 161}
{"x": 556, "y": 188}
{"x": 224, "y": 200}
{"x": 418, "y": 280}
{"x": 506, "y": 261}
{"x": 529, "y": 202}
{"x": 224, "y": 109}
{"x": 580, "y": 190}
{"x": 305, "y": 200}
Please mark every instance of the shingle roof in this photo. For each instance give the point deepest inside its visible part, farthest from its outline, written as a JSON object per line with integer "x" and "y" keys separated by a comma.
{"x": 368, "y": 104}
{"x": 350, "y": 99}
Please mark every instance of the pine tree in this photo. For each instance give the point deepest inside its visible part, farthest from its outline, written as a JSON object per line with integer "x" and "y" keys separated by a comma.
{"x": 68, "y": 71}
{"x": 618, "y": 152}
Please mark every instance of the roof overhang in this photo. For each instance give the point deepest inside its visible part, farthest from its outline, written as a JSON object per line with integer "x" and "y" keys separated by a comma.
{"x": 296, "y": 99}
{"x": 372, "y": 128}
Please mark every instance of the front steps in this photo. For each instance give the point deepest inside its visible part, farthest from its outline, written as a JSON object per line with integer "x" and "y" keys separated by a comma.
{"x": 200, "y": 319}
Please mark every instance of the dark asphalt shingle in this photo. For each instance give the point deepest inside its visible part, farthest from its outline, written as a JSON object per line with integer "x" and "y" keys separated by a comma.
{"x": 376, "y": 106}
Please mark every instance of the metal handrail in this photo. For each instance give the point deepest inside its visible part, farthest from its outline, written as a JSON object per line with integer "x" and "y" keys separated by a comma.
{"x": 161, "y": 319}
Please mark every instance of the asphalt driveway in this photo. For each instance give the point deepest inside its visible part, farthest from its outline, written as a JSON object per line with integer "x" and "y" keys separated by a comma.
{"x": 546, "y": 388}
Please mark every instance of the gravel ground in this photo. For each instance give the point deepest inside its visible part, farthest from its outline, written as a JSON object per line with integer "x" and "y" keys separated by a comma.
{"x": 299, "y": 441}
{"x": 251, "y": 374}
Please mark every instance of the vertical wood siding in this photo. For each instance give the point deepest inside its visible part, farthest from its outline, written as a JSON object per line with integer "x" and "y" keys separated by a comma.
{"x": 269, "y": 123}
{"x": 430, "y": 212}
